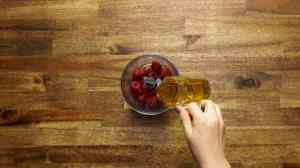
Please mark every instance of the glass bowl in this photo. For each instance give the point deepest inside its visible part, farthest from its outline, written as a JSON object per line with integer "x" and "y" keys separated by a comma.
{"x": 126, "y": 79}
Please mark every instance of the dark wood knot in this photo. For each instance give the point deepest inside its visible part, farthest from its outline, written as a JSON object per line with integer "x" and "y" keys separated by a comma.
{"x": 243, "y": 83}
{"x": 291, "y": 165}
{"x": 118, "y": 49}
{"x": 37, "y": 79}
{"x": 10, "y": 116}
{"x": 191, "y": 39}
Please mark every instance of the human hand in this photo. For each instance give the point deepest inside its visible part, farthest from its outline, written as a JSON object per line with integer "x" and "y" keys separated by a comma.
{"x": 204, "y": 130}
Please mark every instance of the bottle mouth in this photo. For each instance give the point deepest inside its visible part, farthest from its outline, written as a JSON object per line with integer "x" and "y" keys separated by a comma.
{"x": 150, "y": 83}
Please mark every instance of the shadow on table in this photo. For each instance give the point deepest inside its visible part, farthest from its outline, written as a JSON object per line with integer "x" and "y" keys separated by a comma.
{"x": 167, "y": 119}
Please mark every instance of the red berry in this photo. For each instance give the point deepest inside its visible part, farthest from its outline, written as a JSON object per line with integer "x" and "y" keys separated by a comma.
{"x": 165, "y": 71}
{"x": 156, "y": 66}
{"x": 153, "y": 74}
{"x": 138, "y": 73}
{"x": 152, "y": 102}
{"x": 146, "y": 70}
{"x": 140, "y": 91}
{"x": 149, "y": 92}
{"x": 136, "y": 87}
{"x": 142, "y": 99}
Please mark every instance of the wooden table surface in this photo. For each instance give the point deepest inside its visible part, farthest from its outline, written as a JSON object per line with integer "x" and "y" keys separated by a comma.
{"x": 60, "y": 67}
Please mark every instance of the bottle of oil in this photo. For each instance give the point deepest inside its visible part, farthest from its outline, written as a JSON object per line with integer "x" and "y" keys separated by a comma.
{"x": 177, "y": 90}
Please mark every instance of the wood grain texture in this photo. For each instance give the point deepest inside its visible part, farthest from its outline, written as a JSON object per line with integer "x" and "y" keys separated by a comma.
{"x": 289, "y": 95}
{"x": 97, "y": 144}
{"x": 97, "y": 165}
{"x": 275, "y": 6}
{"x": 101, "y": 135}
{"x": 227, "y": 31}
{"x": 61, "y": 64}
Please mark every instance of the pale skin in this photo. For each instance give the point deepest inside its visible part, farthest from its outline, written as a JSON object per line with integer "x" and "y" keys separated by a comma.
{"x": 204, "y": 129}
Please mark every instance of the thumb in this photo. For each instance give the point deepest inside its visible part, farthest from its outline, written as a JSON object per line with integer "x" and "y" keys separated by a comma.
{"x": 186, "y": 120}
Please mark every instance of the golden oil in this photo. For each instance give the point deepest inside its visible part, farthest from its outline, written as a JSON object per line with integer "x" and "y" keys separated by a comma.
{"x": 177, "y": 90}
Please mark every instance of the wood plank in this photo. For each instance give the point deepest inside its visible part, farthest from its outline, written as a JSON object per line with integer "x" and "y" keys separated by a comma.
{"x": 282, "y": 154}
{"x": 274, "y": 6}
{"x": 289, "y": 91}
{"x": 248, "y": 164}
{"x": 48, "y": 17}
{"x": 34, "y": 25}
{"x": 57, "y": 106}
{"x": 177, "y": 7}
{"x": 25, "y": 43}
{"x": 97, "y": 165}
{"x": 128, "y": 17}
{"x": 21, "y": 82}
{"x": 291, "y": 165}
{"x": 78, "y": 154}
{"x": 14, "y": 4}
{"x": 244, "y": 59}
{"x": 106, "y": 106}
{"x": 291, "y": 53}
{"x": 117, "y": 44}
{"x": 36, "y": 135}
{"x": 66, "y": 81}
{"x": 94, "y": 155}
{"x": 230, "y": 31}
{"x": 25, "y": 46}
{"x": 71, "y": 62}
{"x": 95, "y": 144}
{"x": 49, "y": 9}
{"x": 71, "y": 165}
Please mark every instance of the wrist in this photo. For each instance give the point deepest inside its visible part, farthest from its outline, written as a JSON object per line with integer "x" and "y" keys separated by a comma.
{"x": 215, "y": 163}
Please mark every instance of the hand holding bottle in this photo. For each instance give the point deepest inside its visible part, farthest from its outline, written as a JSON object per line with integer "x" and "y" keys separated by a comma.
{"x": 204, "y": 130}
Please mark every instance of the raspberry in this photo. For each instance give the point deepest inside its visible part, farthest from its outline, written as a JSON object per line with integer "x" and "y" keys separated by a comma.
{"x": 137, "y": 74}
{"x": 146, "y": 70}
{"x": 153, "y": 74}
{"x": 152, "y": 102}
{"x": 142, "y": 99}
{"x": 149, "y": 92}
{"x": 156, "y": 66}
{"x": 136, "y": 87}
{"x": 165, "y": 71}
